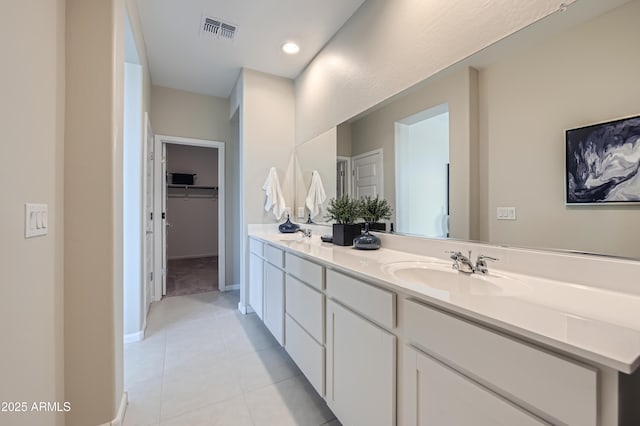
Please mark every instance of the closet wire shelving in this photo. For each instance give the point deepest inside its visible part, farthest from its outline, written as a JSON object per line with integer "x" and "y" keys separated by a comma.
{"x": 192, "y": 191}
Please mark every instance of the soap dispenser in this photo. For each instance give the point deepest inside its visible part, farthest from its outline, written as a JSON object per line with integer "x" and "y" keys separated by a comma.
{"x": 288, "y": 227}
{"x": 366, "y": 241}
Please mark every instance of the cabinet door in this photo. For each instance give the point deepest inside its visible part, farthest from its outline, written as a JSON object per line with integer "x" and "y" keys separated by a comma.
{"x": 274, "y": 301}
{"x": 361, "y": 369}
{"x": 437, "y": 395}
{"x": 255, "y": 283}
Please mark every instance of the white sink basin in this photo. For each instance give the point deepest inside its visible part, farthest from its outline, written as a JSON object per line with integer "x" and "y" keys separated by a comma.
{"x": 441, "y": 276}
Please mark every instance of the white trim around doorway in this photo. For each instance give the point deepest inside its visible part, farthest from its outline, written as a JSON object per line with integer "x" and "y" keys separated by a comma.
{"x": 160, "y": 140}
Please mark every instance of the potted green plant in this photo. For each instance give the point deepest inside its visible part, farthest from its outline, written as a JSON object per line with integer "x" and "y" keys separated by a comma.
{"x": 373, "y": 210}
{"x": 344, "y": 211}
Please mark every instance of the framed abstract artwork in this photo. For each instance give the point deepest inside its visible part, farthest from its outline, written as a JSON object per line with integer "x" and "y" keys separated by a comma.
{"x": 602, "y": 162}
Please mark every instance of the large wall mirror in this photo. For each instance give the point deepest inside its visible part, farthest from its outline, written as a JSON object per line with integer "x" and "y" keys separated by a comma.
{"x": 478, "y": 150}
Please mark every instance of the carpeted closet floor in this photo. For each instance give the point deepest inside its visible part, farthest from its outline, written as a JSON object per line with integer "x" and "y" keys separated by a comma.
{"x": 191, "y": 276}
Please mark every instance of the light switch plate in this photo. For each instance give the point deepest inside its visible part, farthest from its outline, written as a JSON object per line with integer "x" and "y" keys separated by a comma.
{"x": 36, "y": 220}
{"x": 506, "y": 213}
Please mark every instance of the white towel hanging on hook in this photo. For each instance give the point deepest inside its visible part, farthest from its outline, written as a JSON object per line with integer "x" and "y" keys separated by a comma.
{"x": 316, "y": 195}
{"x": 275, "y": 199}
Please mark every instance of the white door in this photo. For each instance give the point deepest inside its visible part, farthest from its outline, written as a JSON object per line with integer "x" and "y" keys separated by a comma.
{"x": 367, "y": 174}
{"x": 165, "y": 222}
{"x": 148, "y": 254}
{"x": 361, "y": 369}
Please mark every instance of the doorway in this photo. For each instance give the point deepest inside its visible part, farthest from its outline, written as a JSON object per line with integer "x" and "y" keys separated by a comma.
{"x": 190, "y": 201}
{"x": 422, "y": 173}
{"x": 343, "y": 176}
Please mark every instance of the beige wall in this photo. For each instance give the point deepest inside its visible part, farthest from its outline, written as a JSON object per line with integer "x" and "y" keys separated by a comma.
{"x": 371, "y": 58}
{"x": 194, "y": 220}
{"x": 344, "y": 139}
{"x": 377, "y": 130}
{"x": 136, "y": 26}
{"x": 267, "y": 140}
{"x": 191, "y": 115}
{"x": 93, "y": 210}
{"x": 32, "y": 121}
{"x": 585, "y": 75}
{"x": 266, "y": 134}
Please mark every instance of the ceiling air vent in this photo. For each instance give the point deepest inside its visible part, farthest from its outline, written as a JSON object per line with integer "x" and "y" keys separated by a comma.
{"x": 216, "y": 28}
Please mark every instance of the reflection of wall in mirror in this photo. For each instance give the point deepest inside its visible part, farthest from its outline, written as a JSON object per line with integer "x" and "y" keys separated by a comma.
{"x": 422, "y": 158}
{"x": 522, "y": 104}
{"x": 585, "y": 75}
{"x": 377, "y": 130}
{"x": 317, "y": 154}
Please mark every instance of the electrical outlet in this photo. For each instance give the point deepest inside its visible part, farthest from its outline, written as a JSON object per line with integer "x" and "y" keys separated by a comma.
{"x": 301, "y": 212}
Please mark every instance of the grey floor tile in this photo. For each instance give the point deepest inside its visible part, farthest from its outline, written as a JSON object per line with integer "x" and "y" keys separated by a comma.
{"x": 204, "y": 363}
{"x": 290, "y": 402}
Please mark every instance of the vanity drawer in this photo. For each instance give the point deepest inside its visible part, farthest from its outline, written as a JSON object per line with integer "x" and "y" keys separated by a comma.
{"x": 274, "y": 256}
{"x": 373, "y": 302}
{"x": 255, "y": 246}
{"x": 531, "y": 377}
{"x": 306, "y": 306}
{"x": 306, "y": 352}
{"x": 304, "y": 270}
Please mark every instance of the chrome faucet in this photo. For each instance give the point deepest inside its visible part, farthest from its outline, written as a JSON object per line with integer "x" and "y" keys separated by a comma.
{"x": 305, "y": 231}
{"x": 481, "y": 263}
{"x": 462, "y": 263}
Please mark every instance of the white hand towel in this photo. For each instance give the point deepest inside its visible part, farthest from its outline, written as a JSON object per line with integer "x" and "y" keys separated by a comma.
{"x": 275, "y": 200}
{"x": 316, "y": 195}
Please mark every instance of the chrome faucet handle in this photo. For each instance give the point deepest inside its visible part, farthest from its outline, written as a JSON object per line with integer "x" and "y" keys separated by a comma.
{"x": 462, "y": 263}
{"x": 481, "y": 263}
{"x": 306, "y": 232}
{"x": 454, "y": 254}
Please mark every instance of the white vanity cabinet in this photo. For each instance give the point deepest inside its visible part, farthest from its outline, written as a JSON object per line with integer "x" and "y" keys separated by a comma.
{"x": 304, "y": 318}
{"x": 361, "y": 356}
{"x": 384, "y": 354}
{"x": 504, "y": 380}
{"x": 273, "y": 292}
{"x": 442, "y": 396}
{"x": 256, "y": 276}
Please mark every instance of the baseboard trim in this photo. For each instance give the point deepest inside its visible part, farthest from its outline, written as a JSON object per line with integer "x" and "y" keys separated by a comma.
{"x": 122, "y": 410}
{"x": 230, "y": 287}
{"x": 138, "y": 335}
{"x": 192, "y": 256}
{"x": 245, "y": 309}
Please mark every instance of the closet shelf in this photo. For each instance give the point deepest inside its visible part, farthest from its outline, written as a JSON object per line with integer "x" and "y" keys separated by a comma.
{"x": 192, "y": 191}
{"x": 171, "y": 185}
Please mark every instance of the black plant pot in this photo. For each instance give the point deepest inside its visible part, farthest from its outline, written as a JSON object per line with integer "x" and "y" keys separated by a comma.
{"x": 375, "y": 226}
{"x": 343, "y": 234}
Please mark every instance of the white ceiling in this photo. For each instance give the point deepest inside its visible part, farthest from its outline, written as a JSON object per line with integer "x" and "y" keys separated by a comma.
{"x": 179, "y": 57}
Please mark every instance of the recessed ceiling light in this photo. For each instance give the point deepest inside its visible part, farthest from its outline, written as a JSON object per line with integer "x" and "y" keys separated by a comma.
{"x": 290, "y": 48}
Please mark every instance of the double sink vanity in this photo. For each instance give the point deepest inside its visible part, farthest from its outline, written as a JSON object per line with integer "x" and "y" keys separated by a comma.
{"x": 398, "y": 336}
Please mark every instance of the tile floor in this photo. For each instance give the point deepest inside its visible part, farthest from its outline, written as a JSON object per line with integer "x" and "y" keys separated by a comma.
{"x": 203, "y": 363}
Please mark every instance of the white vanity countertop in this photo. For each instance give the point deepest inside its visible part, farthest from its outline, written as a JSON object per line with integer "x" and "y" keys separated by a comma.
{"x": 599, "y": 325}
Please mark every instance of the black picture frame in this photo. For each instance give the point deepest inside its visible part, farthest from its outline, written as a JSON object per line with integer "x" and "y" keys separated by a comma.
{"x": 602, "y": 163}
